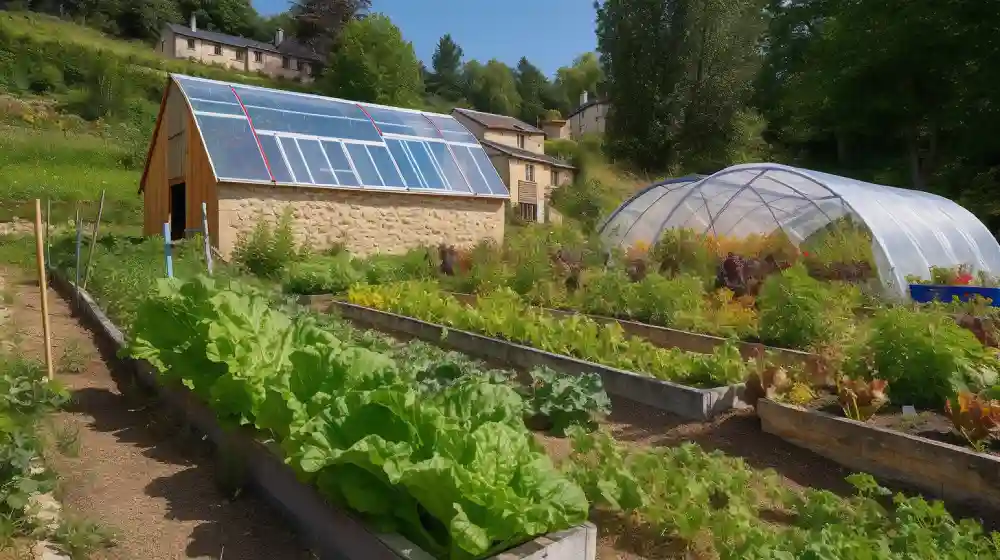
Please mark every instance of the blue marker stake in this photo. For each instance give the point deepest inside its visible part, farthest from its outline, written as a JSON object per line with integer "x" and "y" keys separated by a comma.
{"x": 166, "y": 250}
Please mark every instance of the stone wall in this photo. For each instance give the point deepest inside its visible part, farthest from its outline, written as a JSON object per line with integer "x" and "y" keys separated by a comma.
{"x": 365, "y": 222}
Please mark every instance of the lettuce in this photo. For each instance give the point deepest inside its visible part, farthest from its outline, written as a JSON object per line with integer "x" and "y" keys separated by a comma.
{"x": 455, "y": 470}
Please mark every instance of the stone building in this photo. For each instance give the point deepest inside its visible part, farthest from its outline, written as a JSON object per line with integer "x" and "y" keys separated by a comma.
{"x": 373, "y": 178}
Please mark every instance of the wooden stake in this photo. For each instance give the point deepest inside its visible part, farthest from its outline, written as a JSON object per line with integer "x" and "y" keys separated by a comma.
{"x": 79, "y": 239}
{"x": 43, "y": 286}
{"x": 93, "y": 241}
{"x": 204, "y": 231}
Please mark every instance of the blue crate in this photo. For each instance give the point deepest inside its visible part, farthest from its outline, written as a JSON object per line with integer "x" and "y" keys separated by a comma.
{"x": 925, "y": 293}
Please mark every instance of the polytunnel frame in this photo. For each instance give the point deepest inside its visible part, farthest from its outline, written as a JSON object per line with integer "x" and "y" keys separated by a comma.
{"x": 174, "y": 79}
{"x": 687, "y": 179}
{"x": 749, "y": 185}
{"x": 843, "y": 190}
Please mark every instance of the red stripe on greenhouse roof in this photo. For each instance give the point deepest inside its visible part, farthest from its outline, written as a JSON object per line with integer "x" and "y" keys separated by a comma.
{"x": 377, "y": 129}
{"x": 253, "y": 130}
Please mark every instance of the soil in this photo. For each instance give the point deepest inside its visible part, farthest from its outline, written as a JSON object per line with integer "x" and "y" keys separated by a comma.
{"x": 929, "y": 424}
{"x": 133, "y": 472}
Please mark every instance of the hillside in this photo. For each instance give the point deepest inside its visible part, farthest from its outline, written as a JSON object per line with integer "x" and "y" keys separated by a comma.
{"x": 77, "y": 109}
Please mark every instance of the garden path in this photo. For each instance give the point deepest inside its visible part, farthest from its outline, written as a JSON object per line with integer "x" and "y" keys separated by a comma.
{"x": 132, "y": 471}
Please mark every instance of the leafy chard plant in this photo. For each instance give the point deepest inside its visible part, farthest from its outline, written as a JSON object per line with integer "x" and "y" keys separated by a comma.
{"x": 557, "y": 401}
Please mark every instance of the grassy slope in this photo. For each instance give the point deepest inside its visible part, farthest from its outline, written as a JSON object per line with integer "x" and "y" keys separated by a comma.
{"x": 46, "y": 152}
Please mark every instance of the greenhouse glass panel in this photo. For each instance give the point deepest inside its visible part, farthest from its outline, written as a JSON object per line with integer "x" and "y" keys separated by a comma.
{"x": 476, "y": 175}
{"x": 425, "y": 165}
{"x": 384, "y": 164}
{"x": 402, "y": 122}
{"x": 447, "y": 163}
{"x": 364, "y": 164}
{"x": 297, "y": 130}
{"x": 298, "y": 165}
{"x": 275, "y": 160}
{"x": 489, "y": 172}
{"x": 452, "y": 130}
{"x": 320, "y": 169}
{"x": 218, "y": 107}
{"x": 406, "y": 165}
{"x": 910, "y": 230}
{"x": 232, "y": 149}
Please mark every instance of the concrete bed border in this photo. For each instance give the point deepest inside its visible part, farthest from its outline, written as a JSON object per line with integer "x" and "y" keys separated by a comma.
{"x": 952, "y": 473}
{"x": 330, "y": 532}
{"x": 689, "y": 402}
{"x": 664, "y": 337}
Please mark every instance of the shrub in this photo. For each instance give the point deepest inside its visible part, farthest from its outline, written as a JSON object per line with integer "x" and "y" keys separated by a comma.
{"x": 684, "y": 250}
{"x": 322, "y": 275}
{"x": 797, "y": 311}
{"x": 925, "y": 356}
{"x": 268, "y": 250}
{"x": 415, "y": 264}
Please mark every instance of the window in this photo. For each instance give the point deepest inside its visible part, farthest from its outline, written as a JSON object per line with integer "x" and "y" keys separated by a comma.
{"x": 218, "y": 50}
{"x": 284, "y": 62}
{"x": 258, "y": 56}
{"x": 528, "y": 211}
{"x": 295, "y": 64}
{"x": 529, "y": 173}
{"x": 520, "y": 142}
{"x": 240, "y": 54}
{"x": 306, "y": 69}
{"x": 191, "y": 44}
{"x": 555, "y": 177}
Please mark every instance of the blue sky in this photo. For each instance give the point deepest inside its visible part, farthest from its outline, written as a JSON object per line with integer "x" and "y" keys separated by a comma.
{"x": 549, "y": 32}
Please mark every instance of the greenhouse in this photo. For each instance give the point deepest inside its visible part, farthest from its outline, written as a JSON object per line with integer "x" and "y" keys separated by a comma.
{"x": 910, "y": 230}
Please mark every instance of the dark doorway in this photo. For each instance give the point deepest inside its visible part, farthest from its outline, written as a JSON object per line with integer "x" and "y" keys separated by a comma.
{"x": 178, "y": 211}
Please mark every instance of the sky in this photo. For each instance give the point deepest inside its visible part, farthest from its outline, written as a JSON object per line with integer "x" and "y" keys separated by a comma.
{"x": 551, "y": 33}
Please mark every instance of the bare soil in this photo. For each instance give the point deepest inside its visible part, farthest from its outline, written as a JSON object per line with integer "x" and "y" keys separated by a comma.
{"x": 930, "y": 424}
{"x": 135, "y": 473}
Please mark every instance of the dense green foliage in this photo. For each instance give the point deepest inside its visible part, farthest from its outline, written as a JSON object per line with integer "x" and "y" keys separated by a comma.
{"x": 456, "y": 472}
{"x": 374, "y": 63}
{"x": 505, "y": 315}
{"x": 720, "y": 507}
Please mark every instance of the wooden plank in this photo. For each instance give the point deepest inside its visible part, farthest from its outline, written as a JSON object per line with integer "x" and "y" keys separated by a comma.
{"x": 154, "y": 188}
{"x": 201, "y": 184}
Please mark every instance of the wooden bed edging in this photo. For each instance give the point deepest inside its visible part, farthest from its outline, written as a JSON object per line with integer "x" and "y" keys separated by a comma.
{"x": 664, "y": 337}
{"x": 946, "y": 471}
{"x": 689, "y": 402}
{"x": 332, "y": 534}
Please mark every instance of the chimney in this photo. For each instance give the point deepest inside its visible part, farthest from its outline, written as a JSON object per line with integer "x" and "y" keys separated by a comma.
{"x": 279, "y": 37}
{"x": 194, "y": 23}
{"x": 583, "y": 98}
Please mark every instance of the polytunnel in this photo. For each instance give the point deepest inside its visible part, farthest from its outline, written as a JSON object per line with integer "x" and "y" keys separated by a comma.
{"x": 911, "y": 230}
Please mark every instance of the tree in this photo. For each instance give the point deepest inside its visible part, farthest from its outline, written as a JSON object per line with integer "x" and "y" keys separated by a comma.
{"x": 374, "y": 63}
{"x": 583, "y": 75}
{"x": 446, "y": 78}
{"x": 319, "y": 23}
{"x": 683, "y": 70}
{"x": 534, "y": 90}
{"x": 232, "y": 17}
{"x": 143, "y": 19}
{"x": 492, "y": 88}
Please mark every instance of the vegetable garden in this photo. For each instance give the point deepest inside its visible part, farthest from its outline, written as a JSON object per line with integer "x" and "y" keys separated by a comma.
{"x": 449, "y": 452}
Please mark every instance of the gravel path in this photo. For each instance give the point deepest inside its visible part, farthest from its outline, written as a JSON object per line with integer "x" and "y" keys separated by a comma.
{"x": 134, "y": 473}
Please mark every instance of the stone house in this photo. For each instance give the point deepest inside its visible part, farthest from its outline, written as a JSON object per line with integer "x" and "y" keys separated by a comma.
{"x": 517, "y": 150}
{"x": 284, "y": 58}
{"x": 368, "y": 177}
{"x": 589, "y": 118}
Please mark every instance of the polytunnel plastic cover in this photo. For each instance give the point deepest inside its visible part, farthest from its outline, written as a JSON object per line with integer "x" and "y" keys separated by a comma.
{"x": 911, "y": 230}
{"x": 258, "y": 135}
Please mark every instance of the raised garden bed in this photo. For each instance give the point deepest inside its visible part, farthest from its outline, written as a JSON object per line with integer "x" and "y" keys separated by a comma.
{"x": 948, "y": 471}
{"x": 663, "y": 337}
{"x": 332, "y": 534}
{"x": 689, "y": 402}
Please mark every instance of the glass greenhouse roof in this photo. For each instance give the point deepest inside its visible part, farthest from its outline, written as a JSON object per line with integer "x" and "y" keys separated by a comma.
{"x": 911, "y": 230}
{"x": 258, "y": 135}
